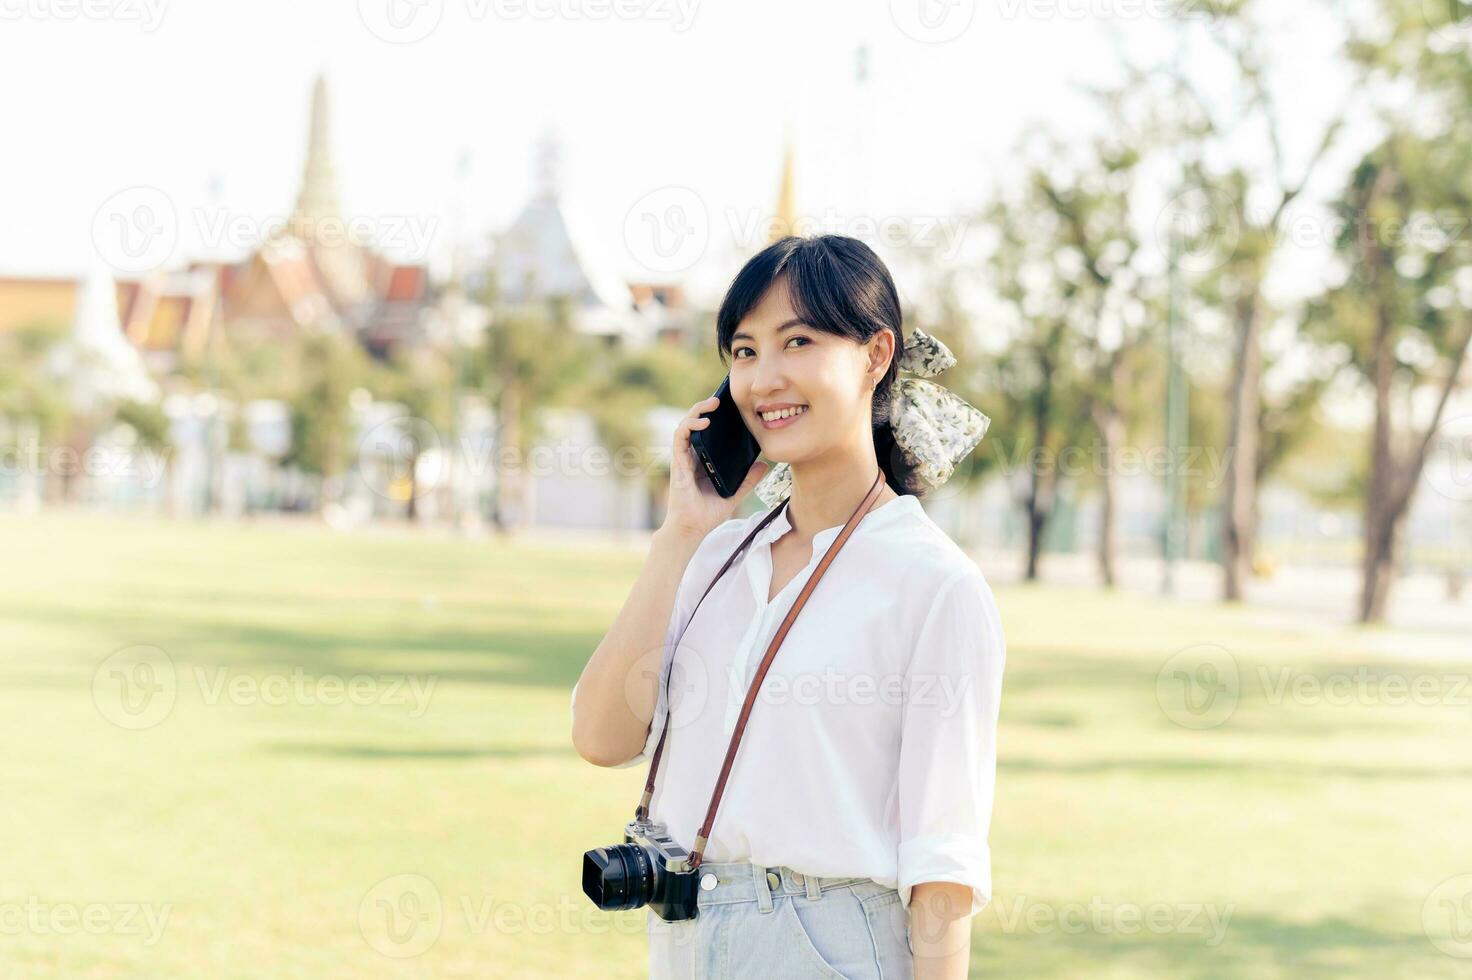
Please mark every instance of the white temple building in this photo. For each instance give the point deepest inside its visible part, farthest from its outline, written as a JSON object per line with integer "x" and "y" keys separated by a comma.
{"x": 97, "y": 363}
{"x": 547, "y": 253}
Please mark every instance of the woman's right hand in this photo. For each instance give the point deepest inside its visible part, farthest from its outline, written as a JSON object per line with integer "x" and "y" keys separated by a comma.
{"x": 694, "y": 507}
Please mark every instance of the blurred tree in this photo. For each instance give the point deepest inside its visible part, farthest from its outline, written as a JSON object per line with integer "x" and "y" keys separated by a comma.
{"x": 150, "y": 428}
{"x": 32, "y": 408}
{"x": 623, "y": 388}
{"x": 26, "y": 396}
{"x": 533, "y": 357}
{"x": 948, "y": 315}
{"x": 1402, "y": 308}
{"x": 238, "y": 367}
{"x": 330, "y": 366}
{"x": 1112, "y": 306}
{"x": 1039, "y": 379}
{"x": 1400, "y": 316}
{"x": 1241, "y": 211}
{"x": 423, "y": 380}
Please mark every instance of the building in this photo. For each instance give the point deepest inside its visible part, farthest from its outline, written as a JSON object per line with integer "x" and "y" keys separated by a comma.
{"x": 313, "y": 275}
{"x": 546, "y": 254}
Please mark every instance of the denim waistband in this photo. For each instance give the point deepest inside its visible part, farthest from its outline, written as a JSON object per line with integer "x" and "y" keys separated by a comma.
{"x": 742, "y": 881}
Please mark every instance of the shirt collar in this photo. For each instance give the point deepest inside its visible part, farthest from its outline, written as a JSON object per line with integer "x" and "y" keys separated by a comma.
{"x": 904, "y": 505}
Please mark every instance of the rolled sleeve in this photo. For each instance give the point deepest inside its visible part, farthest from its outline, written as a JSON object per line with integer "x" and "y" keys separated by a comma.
{"x": 651, "y": 740}
{"x": 948, "y": 759}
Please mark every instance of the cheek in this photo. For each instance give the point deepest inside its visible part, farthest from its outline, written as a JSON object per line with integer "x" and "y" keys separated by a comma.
{"x": 741, "y": 392}
{"x": 831, "y": 389}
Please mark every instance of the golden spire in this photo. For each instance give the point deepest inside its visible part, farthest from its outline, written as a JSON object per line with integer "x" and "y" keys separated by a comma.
{"x": 318, "y": 199}
{"x": 786, "y": 216}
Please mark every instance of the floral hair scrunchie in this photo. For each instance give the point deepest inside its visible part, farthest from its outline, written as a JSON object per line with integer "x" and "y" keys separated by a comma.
{"x": 934, "y": 428}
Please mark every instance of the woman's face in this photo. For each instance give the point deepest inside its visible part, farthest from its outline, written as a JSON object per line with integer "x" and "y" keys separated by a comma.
{"x": 780, "y": 366}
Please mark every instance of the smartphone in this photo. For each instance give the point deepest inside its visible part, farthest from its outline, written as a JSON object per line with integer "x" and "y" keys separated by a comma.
{"x": 725, "y": 448}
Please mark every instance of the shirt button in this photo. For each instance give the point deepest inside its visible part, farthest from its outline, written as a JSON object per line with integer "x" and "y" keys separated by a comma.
{"x": 773, "y": 882}
{"x": 707, "y": 881}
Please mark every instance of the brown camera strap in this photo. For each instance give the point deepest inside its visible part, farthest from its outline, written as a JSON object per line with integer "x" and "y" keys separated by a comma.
{"x": 642, "y": 811}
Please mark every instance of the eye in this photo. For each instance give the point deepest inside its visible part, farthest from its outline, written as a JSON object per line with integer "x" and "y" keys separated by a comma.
{"x": 736, "y": 353}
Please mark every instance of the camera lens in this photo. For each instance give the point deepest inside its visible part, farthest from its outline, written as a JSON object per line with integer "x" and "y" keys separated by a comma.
{"x": 619, "y": 877}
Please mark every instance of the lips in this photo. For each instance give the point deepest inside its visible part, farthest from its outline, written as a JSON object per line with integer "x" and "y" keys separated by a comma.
{"x": 783, "y": 422}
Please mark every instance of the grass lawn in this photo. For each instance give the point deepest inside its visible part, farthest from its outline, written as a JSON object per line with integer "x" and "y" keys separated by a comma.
{"x": 217, "y": 767}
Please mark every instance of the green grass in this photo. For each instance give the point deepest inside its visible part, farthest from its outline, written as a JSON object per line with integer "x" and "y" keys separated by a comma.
{"x": 269, "y": 833}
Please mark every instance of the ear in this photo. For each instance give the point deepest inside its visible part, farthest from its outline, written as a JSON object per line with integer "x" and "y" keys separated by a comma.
{"x": 881, "y": 352}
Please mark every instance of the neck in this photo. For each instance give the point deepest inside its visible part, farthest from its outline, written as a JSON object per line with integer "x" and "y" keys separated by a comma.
{"x": 827, "y": 491}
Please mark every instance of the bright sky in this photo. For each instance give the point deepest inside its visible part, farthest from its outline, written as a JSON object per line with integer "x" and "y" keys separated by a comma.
{"x": 207, "y": 103}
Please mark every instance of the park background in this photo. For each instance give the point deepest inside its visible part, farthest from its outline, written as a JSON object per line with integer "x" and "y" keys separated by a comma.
{"x": 341, "y": 345}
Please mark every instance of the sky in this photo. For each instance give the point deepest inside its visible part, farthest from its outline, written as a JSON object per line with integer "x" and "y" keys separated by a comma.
{"x": 664, "y": 111}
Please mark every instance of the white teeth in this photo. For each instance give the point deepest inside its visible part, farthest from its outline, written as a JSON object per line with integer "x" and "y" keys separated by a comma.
{"x": 783, "y": 413}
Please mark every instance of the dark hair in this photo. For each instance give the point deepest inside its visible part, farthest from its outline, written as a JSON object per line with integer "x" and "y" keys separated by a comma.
{"x": 841, "y": 287}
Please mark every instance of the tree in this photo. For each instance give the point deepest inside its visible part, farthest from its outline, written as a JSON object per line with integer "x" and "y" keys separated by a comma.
{"x": 331, "y": 366}
{"x": 1042, "y": 389}
{"x": 946, "y": 313}
{"x": 150, "y": 427}
{"x": 532, "y": 357}
{"x": 1401, "y": 309}
{"x": 1399, "y": 316}
{"x": 423, "y": 380}
{"x": 1113, "y": 305}
{"x": 31, "y": 408}
{"x": 1246, "y": 240}
{"x": 625, "y": 386}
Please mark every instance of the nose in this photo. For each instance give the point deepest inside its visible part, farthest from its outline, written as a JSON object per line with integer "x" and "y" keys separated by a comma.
{"x": 767, "y": 378}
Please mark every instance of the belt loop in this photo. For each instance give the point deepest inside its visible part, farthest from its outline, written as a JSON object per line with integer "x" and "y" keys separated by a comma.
{"x": 814, "y": 892}
{"x": 763, "y": 888}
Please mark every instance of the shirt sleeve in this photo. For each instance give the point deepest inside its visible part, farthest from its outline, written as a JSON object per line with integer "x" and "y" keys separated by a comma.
{"x": 652, "y": 739}
{"x": 684, "y": 600}
{"x": 948, "y": 758}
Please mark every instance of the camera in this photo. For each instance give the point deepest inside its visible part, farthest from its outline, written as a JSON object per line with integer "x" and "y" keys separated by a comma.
{"x": 648, "y": 868}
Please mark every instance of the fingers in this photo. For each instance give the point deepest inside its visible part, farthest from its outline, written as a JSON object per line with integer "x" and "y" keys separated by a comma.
{"x": 683, "y": 460}
{"x": 694, "y": 420}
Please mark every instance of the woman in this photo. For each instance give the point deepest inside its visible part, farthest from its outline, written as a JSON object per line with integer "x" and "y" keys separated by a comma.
{"x": 851, "y": 840}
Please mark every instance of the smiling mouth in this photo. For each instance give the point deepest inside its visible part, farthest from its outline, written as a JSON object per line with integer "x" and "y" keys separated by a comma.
{"x": 782, "y": 414}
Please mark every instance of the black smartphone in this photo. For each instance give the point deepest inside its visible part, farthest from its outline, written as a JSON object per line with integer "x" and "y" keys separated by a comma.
{"x": 725, "y": 448}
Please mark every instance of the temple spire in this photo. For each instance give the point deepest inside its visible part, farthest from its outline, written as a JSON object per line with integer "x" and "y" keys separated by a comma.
{"x": 547, "y": 173}
{"x": 318, "y": 198}
{"x": 317, "y": 220}
{"x": 786, "y": 215}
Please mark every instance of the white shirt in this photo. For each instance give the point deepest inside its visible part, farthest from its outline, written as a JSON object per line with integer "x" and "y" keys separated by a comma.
{"x": 871, "y": 749}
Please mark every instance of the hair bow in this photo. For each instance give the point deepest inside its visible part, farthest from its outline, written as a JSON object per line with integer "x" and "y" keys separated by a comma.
{"x": 934, "y": 428}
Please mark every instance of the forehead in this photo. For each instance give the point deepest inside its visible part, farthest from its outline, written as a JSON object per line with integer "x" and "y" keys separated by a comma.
{"x": 769, "y": 315}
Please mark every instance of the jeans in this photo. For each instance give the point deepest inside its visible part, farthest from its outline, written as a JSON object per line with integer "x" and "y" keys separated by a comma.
{"x": 775, "y": 924}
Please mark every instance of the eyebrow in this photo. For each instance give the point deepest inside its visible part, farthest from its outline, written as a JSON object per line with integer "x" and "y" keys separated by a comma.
{"x": 796, "y": 321}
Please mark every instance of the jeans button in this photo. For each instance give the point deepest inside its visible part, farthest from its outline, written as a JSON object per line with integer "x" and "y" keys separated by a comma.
{"x": 797, "y": 878}
{"x": 773, "y": 882}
